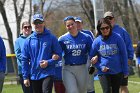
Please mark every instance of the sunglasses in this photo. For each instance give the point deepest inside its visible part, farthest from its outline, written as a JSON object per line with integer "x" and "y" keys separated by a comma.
{"x": 109, "y": 18}
{"x": 103, "y": 28}
{"x": 38, "y": 22}
{"x": 25, "y": 27}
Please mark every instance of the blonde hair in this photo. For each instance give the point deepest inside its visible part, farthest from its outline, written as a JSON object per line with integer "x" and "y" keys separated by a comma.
{"x": 25, "y": 23}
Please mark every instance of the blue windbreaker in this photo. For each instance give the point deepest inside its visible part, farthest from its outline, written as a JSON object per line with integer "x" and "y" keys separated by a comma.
{"x": 2, "y": 56}
{"x": 39, "y": 47}
{"x": 111, "y": 53}
{"x": 126, "y": 37}
{"x": 19, "y": 43}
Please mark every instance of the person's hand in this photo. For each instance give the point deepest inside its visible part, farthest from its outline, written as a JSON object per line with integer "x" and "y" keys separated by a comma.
{"x": 94, "y": 59}
{"x": 43, "y": 63}
{"x": 105, "y": 69}
{"x": 27, "y": 82}
{"x": 125, "y": 76}
{"x": 55, "y": 57}
{"x": 129, "y": 62}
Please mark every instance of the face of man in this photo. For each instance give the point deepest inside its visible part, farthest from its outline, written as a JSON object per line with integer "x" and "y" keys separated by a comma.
{"x": 111, "y": 19}
{"x": 79, "y": 25}
{"x": 39, "y": 26}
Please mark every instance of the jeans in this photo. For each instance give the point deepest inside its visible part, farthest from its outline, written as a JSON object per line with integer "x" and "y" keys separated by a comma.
{"x": 110, "y": 82}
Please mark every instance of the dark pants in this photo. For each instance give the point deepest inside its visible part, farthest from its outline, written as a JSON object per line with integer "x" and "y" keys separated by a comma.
{"x": 24, "y": 88}
{"x": 43, "y": 85}
{"x": 59, "y": 86}
{"x": 110, "y": 82}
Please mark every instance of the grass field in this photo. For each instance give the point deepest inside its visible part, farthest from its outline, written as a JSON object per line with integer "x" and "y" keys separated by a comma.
{"x": 134, "y": 86}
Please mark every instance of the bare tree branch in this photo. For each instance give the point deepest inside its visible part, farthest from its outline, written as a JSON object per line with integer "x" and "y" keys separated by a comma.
{"x": 135, "y": 18}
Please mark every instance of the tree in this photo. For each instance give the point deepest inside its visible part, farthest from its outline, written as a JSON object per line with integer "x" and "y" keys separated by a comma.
{"x": 18, "y": 17}
{"x": 58, "y": 9}
{"x": 88, "y": 11}
{"x": 136, "y": 22}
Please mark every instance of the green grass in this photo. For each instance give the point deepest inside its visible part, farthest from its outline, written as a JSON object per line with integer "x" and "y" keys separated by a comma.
{"x": 133, "y": 87}
{"x": 12, "y": 88}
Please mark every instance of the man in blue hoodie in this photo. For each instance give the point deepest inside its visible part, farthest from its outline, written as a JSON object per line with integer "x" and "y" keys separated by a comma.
{"x": 2, "y": 63}
{"x": 128, "y": 43}
{"x": 37, "y": 54}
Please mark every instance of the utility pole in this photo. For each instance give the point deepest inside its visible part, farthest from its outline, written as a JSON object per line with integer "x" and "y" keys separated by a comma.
{"x": 98, "y": 6}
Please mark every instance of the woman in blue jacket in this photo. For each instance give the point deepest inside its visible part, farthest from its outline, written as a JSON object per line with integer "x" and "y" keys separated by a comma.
{"x": 112, "y": 57}
{"x": 19, "y": 43}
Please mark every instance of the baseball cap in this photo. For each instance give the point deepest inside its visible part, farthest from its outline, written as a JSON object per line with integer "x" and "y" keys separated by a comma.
{"x": 108, "y": 14}
{"x": 78, "y": 19}
{"x": 38, "y": 16}
{"x": 68, "y": 18}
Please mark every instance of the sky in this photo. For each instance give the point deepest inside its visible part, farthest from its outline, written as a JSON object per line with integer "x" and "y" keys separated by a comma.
{"x": 138, "y": 1}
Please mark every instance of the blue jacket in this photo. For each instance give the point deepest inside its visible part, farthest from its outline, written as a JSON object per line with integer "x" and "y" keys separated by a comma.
{"x": 39, "y": 47}
{"x": 75, "y": 49}
{"x": 58, "y": 71}
{"x": 88, "y": 32}
{"x": 58, "y": 66}
{"x": 19, "y": 43}
{"x": 126, "y": 37}
{"x": 111, "y": 53}
{"x": 2, "y": 56}
{"x": 138, "y": 52}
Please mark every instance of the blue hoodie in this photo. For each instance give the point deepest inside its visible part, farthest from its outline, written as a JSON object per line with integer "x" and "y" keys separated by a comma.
{"x": 19, "y": 43}
{"x": 39, "y": 47}
{"x": 126, "y": 37}
{"x": 2, "y": 56}
{"x": 111, "y": 53}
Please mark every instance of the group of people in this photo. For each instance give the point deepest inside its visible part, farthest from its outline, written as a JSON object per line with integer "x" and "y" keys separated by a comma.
{"x": 44, "y": 60}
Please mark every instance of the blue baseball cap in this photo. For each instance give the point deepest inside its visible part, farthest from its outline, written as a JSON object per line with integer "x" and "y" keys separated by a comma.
{"x": 38, "y": 16}
{"x": 69, "y": 18}
{"x": 78, "y": 19}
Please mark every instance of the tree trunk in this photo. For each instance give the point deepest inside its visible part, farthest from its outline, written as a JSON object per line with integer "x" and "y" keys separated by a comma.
{"x": 135, "y": 19}
{"x": 9, "y": 33}
{"x": 126, "y": 17}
